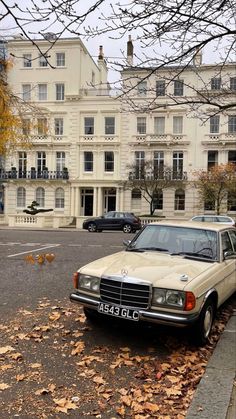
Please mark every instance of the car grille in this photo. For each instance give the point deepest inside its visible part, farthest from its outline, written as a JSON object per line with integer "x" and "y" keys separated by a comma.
{"x": 129, "y": 294}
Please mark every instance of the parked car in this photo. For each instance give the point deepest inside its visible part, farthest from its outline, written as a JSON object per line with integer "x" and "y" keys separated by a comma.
{"x": 175, "y": 273}
{"x": 113, "y": 220}
{"x": 215, "y": 219}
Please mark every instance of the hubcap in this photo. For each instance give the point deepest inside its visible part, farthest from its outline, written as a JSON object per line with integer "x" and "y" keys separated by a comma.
{"x": 207, "y": 321}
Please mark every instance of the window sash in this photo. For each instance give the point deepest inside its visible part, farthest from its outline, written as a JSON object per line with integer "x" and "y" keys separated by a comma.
{"x": 60, "y": 59}
{"x": 60, "y": 91}
{"x": 60, "y": 160}
{"x": 109, "y": 161}
{"x": 58, "y": 126}
{"x": 42, "y": 92}
{"x": 89, "y": 126}
{"x": 88, "y": 161}
{"x": 40, "y": 197}
{"x": 21, "y": 197}
{"x": 233, "y": 83}
{"x": 159, "y": 125}
{"x": 141, "y": 125}
{"x": 177, "y": 124}
{"x": 26, "y": 92}
{"x": 178, "y": 160}
{"x": 216, "y": 83}
{"x": 42, "y": 61}
{"x": 59, "y": 198}
{"x": 232, "y": 124}
{"x": 160, "y": 88}
{"x": 178, "y": 88}
{"x": 42, "y": 126}
{"x": 214, "y": 124}
{"x": 212, "y": 159}
{"x": 27, "y": 60}
{"x": 109, "y": 125}
{"x": 142, "y": 88}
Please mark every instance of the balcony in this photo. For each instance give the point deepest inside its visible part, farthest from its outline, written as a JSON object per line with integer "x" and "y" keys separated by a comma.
{"x": 99, "y": 138}
{"x": 164, "y": 139}
{"x": 220, "y": 139}
{"x": 168, "y": 175}
{"x": 33, "y": 174}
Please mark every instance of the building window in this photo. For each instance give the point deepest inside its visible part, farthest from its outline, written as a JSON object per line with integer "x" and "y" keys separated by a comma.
{"x": 41, "y": 161}
{"x": 214, "y": 124}
{"x": 88, "y": 161}
{"x": 179, "y": 200}
{"x": 27, "y": 60}
{"x": 20, "y": 197}
{"x": 159, "y": 125}
{"x": 142, "y": 88}
{"x": 178, "y": 87}
{"x": 231, "y": 203}
{"x": 233, "y": 83}
{"x": 26, "y": 127}
{"x": 109, "y": 161}
{"x": 22, "y": 164}
{"x": 42, "y": 92}
{"x": 89, "y": 126}
{"x": 26, "y": 92}
{"x": 109, "y": 125}
{"x": 136, "y": 194}
{"x": 40, "y": 197}
{"x": 232, "y": 124}
{"x": 59, "y": 198}
{"x": 60, "y": 160}
{"x": 141, "y": 125}
{"x": 158, "y": 164}
{"x": 160, "y": 88}
{"x": 42, "y": 126}
{"x": 212, "y": 160}
{"x": 139, "y": 164}
{"x": 58, "y": 126}
{"x": 60, "y": 59}
{"x": 60, "y": 91}
{"x": 177, "y": 124}
{"x": 43, "y": 61}
{"x": 216, "y": 83}
{"x": 178, "y": 159}
{"x": 232, "y": 157}
{"x": 158, "y": 200}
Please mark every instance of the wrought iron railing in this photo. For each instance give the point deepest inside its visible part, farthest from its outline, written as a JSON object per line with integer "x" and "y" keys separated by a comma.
{"x": 33, "y": 174}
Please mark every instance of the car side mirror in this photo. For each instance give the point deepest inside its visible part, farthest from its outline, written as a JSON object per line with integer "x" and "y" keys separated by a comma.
{"x": 229, "y": 254}
{"x": 126, "y": 243}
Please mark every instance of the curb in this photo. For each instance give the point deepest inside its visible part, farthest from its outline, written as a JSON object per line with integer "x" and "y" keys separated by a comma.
{"x": 215, "y": 394}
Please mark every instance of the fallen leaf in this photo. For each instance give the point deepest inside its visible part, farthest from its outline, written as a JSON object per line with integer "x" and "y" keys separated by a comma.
{"x": 5, "y": 349}
{"x": 3, "y": 386}
{"x": 20, "y": 377}
{"x": 54, "y": 316}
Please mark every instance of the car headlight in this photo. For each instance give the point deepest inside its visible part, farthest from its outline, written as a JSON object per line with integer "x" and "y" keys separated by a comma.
{"x": 91, "y": 283}
{"x": 165, "y": 297}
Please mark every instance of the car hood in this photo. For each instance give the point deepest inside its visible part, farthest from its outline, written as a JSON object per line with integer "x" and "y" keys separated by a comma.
{"x": 162, "y": 270}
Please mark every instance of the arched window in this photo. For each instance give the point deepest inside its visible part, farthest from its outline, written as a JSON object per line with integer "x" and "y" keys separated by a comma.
{"x": 40, "y": 197}
{"x": 179, "y": 200}
{"x": 136, "y": 194}
{"x": 59, "y": 198}
{"x": 21, "y": 197}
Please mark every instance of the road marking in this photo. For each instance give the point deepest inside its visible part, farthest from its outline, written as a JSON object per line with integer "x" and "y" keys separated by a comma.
{"x": 35, "y": 250}
{"x": 75, "y": 245}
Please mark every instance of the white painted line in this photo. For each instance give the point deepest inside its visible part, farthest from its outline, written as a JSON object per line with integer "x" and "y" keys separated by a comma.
{"x": 75, "y": 245}
{"x": 35, "y": 250}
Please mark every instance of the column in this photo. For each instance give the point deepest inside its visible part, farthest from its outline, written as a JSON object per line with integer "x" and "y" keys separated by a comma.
{"x": 72, "y": 202}
{"x": 77, "y": 203}
{"x": 100, "y": 208}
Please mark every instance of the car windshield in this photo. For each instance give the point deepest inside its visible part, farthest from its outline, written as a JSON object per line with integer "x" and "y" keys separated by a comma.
{"x": 184, "y": 241}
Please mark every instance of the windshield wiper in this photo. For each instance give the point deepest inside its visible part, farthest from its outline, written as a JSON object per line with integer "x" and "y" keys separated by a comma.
{"x": 192, "y": 254}
{"x": 144, "y": 249}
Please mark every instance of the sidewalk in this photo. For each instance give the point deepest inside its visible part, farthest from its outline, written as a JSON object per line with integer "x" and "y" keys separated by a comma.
{"x": 215, "y": 397}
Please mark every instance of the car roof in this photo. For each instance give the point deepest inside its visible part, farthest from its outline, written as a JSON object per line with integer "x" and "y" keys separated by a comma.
{"x": 195, "y": 224}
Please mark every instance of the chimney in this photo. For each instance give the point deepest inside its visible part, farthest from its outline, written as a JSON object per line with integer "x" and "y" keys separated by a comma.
{"x": 101, "y": 55}
{"x": 197, "y": 59}
{"x": 130, "y": 51}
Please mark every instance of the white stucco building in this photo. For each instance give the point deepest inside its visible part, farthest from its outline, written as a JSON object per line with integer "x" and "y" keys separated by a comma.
{"x": 84, "y": 137}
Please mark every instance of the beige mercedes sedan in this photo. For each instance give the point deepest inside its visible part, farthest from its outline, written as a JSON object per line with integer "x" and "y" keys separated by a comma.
{"x": 173, "y": 273}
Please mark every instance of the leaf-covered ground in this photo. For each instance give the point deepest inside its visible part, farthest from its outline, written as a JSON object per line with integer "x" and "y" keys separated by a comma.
{"x": 55, "y": 364}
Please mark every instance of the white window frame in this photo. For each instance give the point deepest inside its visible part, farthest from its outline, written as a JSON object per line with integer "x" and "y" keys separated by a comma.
{"x": 178, "y": 124}
{"x": 60, "y": 59}
{"x": 60, "y": 160}
{"x": 27, "y": 60}
{"x": 88, "y": 125}
{"x": 42, "y": 91}
{"x": 60, "y": 91}
{"x": 141, "y": 125}
{"x": 109, "y": 161}
{"x": 26, "y": 92}
{"x": 40, "y": 196}
{"x": 214, "y": 124}
{"x": 59, "y": 198}
{"x": 110, "y": 125}
{"x": 142, "y": 88}
{"x": 42, "y": 61}
{"x": 58, "y": 126}
{"x": 159, "y": 125}
{"x": 20, "y": 197}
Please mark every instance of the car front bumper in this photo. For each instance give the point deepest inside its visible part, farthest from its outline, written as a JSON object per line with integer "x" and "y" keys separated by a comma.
{"x": 159, "y": 317}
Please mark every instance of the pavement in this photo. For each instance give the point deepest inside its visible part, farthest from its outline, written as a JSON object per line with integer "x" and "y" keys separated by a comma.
{"x": 215, "y": 397}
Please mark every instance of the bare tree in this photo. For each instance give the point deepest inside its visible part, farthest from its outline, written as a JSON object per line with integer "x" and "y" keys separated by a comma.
{"x": 150, "y": 179}
{"x": 217, "y": 186}
{"x": 171, "y": 35}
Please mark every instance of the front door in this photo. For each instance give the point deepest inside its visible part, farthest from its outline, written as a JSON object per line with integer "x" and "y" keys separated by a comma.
{"x": 109, "y": 200}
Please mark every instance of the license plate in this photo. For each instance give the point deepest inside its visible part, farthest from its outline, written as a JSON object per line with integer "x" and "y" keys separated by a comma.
{"x": 112, "y": 310}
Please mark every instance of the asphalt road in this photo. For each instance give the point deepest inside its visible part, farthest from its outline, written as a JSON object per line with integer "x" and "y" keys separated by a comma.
{"x": 23, "y": 284}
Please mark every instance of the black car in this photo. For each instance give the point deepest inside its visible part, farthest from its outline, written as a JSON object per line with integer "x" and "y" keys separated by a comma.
{"x": 113, "y": 220}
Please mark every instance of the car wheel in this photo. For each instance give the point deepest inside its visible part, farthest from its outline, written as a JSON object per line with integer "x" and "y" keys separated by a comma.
{"x": 127, "y": 228}
{"x": 202, "y": 328}
{"x": 92, "y": 227}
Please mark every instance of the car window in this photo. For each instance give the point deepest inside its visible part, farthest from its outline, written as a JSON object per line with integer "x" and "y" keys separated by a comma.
{"x": 232, "y": 234}
{"x": 223, "y": 219}
{"x": 118, "y": 215}
{"x": 109, "y": 215}
{"x": 226, "y": 243}
{"x": 197, "y": 219}
{"x": 209, "y": 219}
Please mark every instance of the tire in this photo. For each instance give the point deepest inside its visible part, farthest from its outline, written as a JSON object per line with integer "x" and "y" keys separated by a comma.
{"x": 92, "y": 227}
{"x": 203, "y": 327}
{"x": 127, "y": 228}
